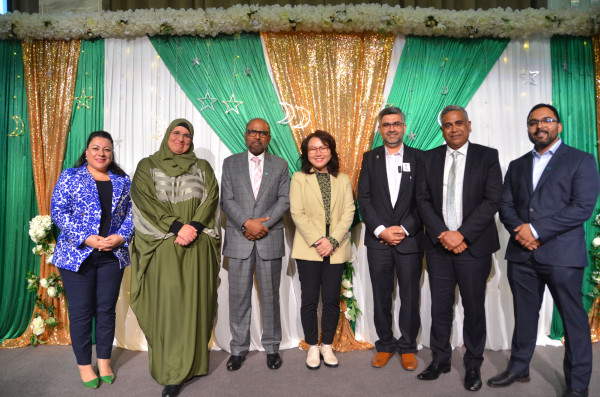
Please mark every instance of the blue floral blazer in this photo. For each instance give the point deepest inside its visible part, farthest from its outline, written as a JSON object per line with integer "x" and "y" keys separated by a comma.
{"x": 76, "y": 211}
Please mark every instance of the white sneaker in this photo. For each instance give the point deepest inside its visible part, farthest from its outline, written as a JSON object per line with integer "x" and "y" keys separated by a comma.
{"x": 313, "y": 358}
{"x": 329, "y": 358}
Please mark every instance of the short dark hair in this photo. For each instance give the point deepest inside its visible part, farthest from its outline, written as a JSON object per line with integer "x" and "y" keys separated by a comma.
{"x": 333, "y": 167}
{"x": 390, "y": 110}
{"x": 255, "y": 119}
{"x": 544, "y": 105}
{"x": 113, "y": 166}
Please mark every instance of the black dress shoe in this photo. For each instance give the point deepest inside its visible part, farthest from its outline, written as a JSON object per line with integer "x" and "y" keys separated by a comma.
{"x": 434, "y": 370}
{"x": 171, "y": 390}
{"x": 235, "y": 362}
{"x": 506, "y": 378}
{"x": 576, "y": 393}
{"x": 472, "y": 379}
{"x": 273, "y": 361}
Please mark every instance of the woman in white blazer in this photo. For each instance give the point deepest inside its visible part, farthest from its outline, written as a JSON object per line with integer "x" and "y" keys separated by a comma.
{"x": 322, "y": 208}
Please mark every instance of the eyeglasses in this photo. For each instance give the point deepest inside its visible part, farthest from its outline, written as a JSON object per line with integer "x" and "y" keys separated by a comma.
{"x": 394, "y": 124}
{"x": 184, "y": 136}
{"x": 254, "y": 133}
{"x": 320, "y": 149}
{"x": 544, "y": 121}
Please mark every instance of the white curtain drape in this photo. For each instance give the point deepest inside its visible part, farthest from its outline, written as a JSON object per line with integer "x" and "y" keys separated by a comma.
{"x": 141, "y": 98}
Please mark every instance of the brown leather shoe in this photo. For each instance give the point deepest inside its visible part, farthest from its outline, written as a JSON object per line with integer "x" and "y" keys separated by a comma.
{"x": 409, "y": 361}
{"x": 381, "y": 359}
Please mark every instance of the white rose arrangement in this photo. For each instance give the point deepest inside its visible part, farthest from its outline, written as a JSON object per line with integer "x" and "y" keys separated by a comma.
{"x": 54, "y": 289}
{"x": 347, "y": 294}
{"x": 341, "y": 18}
{"x": 40, "y": 231}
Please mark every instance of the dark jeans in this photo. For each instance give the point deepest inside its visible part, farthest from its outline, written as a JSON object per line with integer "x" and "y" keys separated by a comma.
{"x": 92, "y": 292}
{"x": 313, "y": 276}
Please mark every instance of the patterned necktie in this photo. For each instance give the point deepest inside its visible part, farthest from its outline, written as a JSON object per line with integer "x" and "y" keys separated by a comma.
{"x": 450, "y": 193}
{"x": 256, "y": 175}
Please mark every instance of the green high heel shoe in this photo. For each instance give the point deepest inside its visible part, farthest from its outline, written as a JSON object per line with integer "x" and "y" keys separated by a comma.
{"x": 92, "y": 384}
{"x": 108, "y": 379}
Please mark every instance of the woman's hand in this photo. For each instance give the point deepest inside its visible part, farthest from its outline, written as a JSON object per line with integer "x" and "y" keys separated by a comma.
{"x": 113, "y": 241}
{"x": 324, "y": 247}
{"x": 95, "y": 242}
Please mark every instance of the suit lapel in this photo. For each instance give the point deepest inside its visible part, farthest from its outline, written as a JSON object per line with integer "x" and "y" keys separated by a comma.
{"x": 471, "y": 161}
{"x": 245, "y": 177}
{"x": 381, "y": 170}
{"x": 335, "y": 187}
{"x": 528, "y": 173}
{"x": 117, "y": 187}
{"x": 439, "y": 164}
{"x": 554, "y": 161}
{"x": 313, "y": 184}
{"x": 267, "y": 171}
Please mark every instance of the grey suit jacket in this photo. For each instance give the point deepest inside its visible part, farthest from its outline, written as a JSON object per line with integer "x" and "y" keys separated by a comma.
{"x": 238, "y": 202}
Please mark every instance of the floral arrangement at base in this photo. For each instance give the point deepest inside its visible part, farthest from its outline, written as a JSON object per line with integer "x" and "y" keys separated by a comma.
{"x": 347, "y": 294}
{"x": 44, "y": 321}
{"x": 360, "y": 18}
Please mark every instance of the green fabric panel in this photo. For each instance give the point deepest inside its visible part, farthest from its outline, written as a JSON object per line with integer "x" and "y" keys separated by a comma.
{"x": 17, "y": 197}
{"x": 90, "y": 77}
{"x": 219, "y": 58}
{"x": 428, "y": 65}
{"x": 573, "y": 95}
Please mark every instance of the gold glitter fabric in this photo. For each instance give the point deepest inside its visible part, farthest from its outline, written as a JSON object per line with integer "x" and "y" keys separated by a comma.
{"x": 596, "y": 47}
{"x": 50, "y": 73}
{"x": 332, "y": 82}
{"x": 344, "y": 340}
{"x": 594, "y": 318}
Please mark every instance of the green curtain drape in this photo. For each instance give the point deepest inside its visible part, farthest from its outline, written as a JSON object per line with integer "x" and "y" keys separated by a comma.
{"x": 226, "y": 65}
{"x": 90, "y": 83}
{"x": 574, "y": 96}
{"x": 434, "y": 72}
{"x": 17, "y": 195}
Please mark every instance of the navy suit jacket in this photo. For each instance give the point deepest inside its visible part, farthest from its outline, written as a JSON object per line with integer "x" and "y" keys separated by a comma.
{"x": 563, "y": 200}
{"x": 482, "y": 192}
{"x": 375, "y": 205}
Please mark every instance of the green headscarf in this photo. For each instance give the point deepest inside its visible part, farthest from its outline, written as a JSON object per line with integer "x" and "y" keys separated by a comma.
{"x": 170, "y": 163}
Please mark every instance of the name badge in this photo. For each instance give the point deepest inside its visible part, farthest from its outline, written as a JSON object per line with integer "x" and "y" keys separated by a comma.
{"x": 405, "y": 167}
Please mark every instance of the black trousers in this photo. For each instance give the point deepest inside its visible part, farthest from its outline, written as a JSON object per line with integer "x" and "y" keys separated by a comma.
{"x": 446, "y": 270}
{"x": 408, "y": 268}
{"x": 326, "y": 278}
{"x": 527, "y": 281}
{"x": 92, "y": 292}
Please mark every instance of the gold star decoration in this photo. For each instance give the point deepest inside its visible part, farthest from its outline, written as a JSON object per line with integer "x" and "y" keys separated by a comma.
{"x": 232, "y": 104}
{"x": 83, "y": 100}
{"x": 207, "y": 101}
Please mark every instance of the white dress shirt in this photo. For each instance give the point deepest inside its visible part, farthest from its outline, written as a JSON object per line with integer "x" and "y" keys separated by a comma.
{"x": 252, "y": 166}
{"x": 393, "y": 163}
{"x": 460, "y": 177}
{"x": 540, "y": 162}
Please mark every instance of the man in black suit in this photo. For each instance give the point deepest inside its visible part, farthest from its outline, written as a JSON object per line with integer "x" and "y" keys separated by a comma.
{"x": 548, "y": 194}
{"x": 386, "y": 199}
{"x": 458, "y": 193}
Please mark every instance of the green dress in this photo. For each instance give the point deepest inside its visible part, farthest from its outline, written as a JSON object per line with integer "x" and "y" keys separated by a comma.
{"x": 174, "y": 288}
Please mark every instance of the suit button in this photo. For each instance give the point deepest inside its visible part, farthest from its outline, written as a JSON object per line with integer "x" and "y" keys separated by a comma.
{"x": 531, "y": 210}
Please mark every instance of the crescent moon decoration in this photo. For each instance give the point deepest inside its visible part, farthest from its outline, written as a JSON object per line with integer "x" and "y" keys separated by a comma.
{"x": 19, "y": 127}
{"x": 305, "y": 117}
{"x": 287, "y": 110}
{"x": 440, "y": 118}
{"x": 444, "y": 90}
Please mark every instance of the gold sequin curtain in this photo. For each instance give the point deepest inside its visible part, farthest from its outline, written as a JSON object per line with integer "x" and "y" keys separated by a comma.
{"x": 50, "y": 74}
{"x": 594, "y": 313}
{"x": 332, "y": 82}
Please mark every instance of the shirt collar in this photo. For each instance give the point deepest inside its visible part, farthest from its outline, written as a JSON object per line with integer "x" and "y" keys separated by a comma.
{"x": 550, "y": 151}
{"x": 260, "y": 156}
{"x": 398, "y": 153}
{"x": 462, "y": 150}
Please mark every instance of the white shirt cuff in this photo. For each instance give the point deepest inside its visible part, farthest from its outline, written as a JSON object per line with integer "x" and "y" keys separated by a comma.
{"x": 535, "y": 234}
{"x": 378, "y": 231}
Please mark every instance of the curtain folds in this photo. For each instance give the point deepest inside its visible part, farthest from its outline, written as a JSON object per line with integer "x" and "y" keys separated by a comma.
{"x": 17, "y": 196}
{"x": 50, "y": 73}
{"x": 227, "y": 80}
{"x": 573, "y": 77}
{"x": 434, "y": 72}
{"x": 332, "y": 82}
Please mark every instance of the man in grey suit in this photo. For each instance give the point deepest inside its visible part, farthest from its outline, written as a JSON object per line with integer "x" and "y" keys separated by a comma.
{"x": 254, "y": 194}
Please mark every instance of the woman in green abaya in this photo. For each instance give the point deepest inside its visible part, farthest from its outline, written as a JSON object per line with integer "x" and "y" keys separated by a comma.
{"x": 175, "y": 257}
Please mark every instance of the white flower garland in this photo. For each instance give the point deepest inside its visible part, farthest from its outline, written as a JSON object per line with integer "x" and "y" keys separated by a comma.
{"x": 498, "y": 22}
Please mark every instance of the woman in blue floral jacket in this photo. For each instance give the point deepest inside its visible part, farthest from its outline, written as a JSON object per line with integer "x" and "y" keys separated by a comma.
{"x": 92, "y": 207}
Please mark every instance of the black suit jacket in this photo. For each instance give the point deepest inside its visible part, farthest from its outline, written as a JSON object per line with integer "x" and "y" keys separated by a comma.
{"x": 563, "y": 200}
{"x": 482, "y": 193}
{"x": 375, "y": 205}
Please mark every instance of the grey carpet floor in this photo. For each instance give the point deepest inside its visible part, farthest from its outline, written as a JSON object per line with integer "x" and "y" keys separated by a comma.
{"x": 51, "y": 371}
